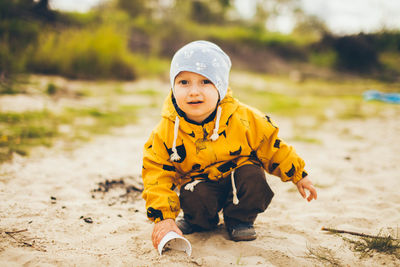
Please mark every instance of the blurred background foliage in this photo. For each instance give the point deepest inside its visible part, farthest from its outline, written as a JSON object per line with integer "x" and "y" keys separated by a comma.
{"x": 127, "y": 39}
{"x": 93, "y": 56}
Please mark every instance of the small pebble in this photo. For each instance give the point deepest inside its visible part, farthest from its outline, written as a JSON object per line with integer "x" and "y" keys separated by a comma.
{"x": 88, "y": 220}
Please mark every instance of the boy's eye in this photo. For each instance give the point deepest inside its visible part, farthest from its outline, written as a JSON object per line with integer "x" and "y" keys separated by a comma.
{"x": 183, "y": 82}
{"x": 207, "y": 81}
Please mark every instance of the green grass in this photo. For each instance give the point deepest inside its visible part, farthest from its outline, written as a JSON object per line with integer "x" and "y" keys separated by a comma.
{"x": 390, "y": 60}
{"x": 93, "y": 52}
{"x": 148, "y": 92}
{"x": 325, "y": 59}
{"x": 317, "y": 98}
{"x": 19, "y": 132}
{"x": 149, "y": 66}
{"x": 101, "y": 120}
{"x": 283, "y": 104}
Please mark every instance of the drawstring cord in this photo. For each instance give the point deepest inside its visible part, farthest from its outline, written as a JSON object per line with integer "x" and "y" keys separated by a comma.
{"x": 215, "y": 134}
{"x": 214, "y": 137}
{"x": 175, "y": 156}
{"x": 190, "y": 186}
{"x": 234, "y": 191}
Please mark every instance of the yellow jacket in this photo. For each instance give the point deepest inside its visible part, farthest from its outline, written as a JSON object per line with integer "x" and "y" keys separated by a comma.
{"x": 245, "y": 137}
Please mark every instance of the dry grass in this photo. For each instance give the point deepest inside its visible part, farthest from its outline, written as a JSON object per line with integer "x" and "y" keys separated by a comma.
{"x": 325, "y": 255}
{"x": 381, "y": 244}
{"x": 369, "y": 244}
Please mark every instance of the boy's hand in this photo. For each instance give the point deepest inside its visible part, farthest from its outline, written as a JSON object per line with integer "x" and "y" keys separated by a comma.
{"x": 162, "y": 228}
{"x": 306, "y": 183}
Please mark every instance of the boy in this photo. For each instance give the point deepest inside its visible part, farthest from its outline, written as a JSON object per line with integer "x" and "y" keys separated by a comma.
{"x": 215, "y": 150}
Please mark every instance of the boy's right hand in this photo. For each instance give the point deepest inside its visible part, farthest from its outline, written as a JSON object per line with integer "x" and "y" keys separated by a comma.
{"x": 306, "y": 183}
{"x": 162, "y": 228}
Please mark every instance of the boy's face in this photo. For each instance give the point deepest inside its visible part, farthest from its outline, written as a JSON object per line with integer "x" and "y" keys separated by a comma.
{"x": 195, "y": 95}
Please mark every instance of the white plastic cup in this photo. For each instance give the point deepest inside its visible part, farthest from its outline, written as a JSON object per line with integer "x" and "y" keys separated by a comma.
{"x": 174, "y": 241}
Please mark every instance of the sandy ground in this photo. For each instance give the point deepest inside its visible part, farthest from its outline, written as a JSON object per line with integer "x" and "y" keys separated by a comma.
{"x": 55, "y": 207}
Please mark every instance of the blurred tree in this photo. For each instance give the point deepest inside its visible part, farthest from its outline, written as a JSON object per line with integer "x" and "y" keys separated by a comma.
{"x": 310, "y": 25}
{"x": 19, "y": 28}
{"x": 356, "y": 53}
{"x": 260, "y": 17}
{"x": 207, "y": 11}
{"x": 387, "y": 40}
{"x": 201, "y": 12}
{"x": 42, "y": 10}
{"x": 268, "y": 10}
{"x": 133, "y": 7}
{"x": 178, "y": 11}
{"x": 181, "y": 10}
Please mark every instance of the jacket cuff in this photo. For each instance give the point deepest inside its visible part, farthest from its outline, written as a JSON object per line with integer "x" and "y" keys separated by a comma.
{"x": 298, "y": 176}
{"x": 169, "y": 215}
{"x": 159, "y": 215}
{"x": 166, "y": 215}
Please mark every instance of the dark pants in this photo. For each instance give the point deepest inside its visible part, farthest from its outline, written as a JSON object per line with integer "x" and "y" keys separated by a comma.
{"x": 201, "y": 206}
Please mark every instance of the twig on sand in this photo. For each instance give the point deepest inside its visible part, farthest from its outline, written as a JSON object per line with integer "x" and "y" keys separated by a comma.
{"x": 32, "y": 245}
{"x": 337, "y": 231}
{"x": 16, "y": 232}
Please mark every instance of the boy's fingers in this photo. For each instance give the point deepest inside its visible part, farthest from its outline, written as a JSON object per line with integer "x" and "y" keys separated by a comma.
{"x": 161, "y": 229}
{"x": 313, "y": 193}
{"x": 156, "y": 239}
{"x": 153, "y": 239}
{"x": 302, "y": 193}
{"x": 160, "y": 235}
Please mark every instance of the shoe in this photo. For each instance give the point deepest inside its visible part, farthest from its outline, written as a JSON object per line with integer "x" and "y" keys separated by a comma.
{"x": 186, "y": 227}
{"x": 242, "y": 232}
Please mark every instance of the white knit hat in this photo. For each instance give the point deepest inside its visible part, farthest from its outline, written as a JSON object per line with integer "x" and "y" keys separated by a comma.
{"x": 204, "y": 58}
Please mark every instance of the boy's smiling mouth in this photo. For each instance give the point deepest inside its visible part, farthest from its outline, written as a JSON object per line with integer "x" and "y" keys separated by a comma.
{"x": 195, "y": 102}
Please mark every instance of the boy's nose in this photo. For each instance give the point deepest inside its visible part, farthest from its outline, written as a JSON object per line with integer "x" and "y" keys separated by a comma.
{"x": 194, "y": 90}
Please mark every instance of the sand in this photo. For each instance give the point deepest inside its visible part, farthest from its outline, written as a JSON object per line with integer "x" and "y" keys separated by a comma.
{"x": 55, "y": 199}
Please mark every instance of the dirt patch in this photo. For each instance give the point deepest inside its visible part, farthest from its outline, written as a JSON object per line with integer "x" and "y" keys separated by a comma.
{"x": 118, "y": 190}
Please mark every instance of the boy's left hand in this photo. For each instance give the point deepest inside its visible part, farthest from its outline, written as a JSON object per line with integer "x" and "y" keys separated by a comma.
{"x": 306, "y": 183}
